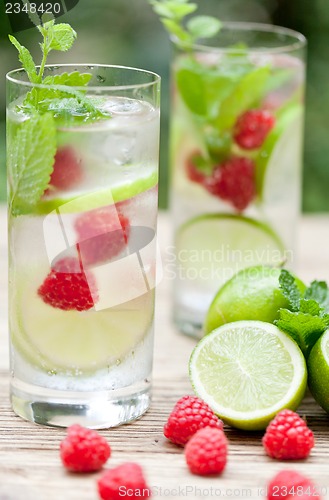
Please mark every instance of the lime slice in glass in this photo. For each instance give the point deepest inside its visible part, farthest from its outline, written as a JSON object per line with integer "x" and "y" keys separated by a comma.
{"x": 279, "y": 152}
{"x": 247, "y": 372}
{"x": 89, "y": 201}
{"x": 318, "y": 371}
{"x": 216, "y": 246}
{"x": 86, "y": 341}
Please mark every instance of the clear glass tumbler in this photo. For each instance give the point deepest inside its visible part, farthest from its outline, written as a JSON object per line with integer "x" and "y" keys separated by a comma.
{"x": 236, "y": 157}
{"x": 82, "y": 204}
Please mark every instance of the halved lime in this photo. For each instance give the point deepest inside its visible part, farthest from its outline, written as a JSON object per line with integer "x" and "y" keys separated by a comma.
{"x": 253, "y": 293}
{"x": 89, "y": 201}
{"x": 318, "y": 371}
{"x": 76, "y": 341}
{"x": 247, "y": 372}
{"x": 216, "y": 246}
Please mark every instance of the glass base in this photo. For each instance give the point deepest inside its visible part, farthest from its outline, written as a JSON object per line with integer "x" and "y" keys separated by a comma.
{"x": 95, "y": 410}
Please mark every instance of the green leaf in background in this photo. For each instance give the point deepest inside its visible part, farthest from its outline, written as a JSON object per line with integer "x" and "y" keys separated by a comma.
{"x": 176, "y": 30}
{"x": 191, "y": 88}
{"x": 173, "y": 9}
{"x": 30, "y": 162}
{"x": 203, "y": 26}
{"x": 248, "y": 93}
{"x": 26, "y": 59}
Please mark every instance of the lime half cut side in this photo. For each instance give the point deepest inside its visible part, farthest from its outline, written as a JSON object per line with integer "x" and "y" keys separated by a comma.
{"x": 73, "y": 341}
{"x": 247, "y": 372}
{"x": 216, "y": 246}
{"x": 79, "y": 202}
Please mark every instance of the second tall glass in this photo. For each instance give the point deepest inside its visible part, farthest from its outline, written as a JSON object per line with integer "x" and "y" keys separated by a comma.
{"x": 236, "y": 144}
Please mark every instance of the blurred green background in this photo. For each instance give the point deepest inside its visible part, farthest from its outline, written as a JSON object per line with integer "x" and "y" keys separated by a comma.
{"x": 127, "y": 32}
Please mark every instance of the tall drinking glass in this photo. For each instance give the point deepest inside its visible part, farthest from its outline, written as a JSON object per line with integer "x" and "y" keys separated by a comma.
{"x": 82, "y": 176}
{"x": 236, "y": 144}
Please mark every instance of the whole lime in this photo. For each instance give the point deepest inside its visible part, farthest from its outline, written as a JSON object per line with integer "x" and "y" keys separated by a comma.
{"x": 252, "y": 294}
{"x": 318, "y": 371}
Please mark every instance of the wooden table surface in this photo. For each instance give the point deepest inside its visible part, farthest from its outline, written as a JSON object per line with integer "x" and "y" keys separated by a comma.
{"x": 30, "y": 468}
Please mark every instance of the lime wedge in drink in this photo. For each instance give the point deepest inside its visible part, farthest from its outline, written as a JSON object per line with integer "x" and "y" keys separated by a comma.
{"x": 89, "y": 201}
{"x": 216, "y": 246}
{"x": 318, "y": 371}
{"x": 247, "y": 372}
{"x": 71, "y": 340}
{"x": 279, "y": 150}
{"x": 253, "y": 293}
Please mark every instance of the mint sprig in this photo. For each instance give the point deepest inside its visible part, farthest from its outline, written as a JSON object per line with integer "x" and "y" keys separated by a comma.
{"x": 173, "y": 12}
{"x": 55, "y": 37}
{"x": 30, "y": 162}
{"x": 309, "y": 314}
{"x": 32, "y": 143}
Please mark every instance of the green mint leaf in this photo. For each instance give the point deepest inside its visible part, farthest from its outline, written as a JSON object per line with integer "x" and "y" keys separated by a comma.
{"x": 173, "y": 9}
{"x": 175, "y": 29}
{"x": 30, "y": 162}
{"x": 290, "y": 289}
{"x": 304, "y": 328}
{"x": 55, "y": 37}
{"x": 248, "y": 92}
{"x": 318, "y": 291}
{"x": 26, "y": 59}
{"x": 74, "y": 79}
{"x": 191, "y": 87}
{"x": 36, "y": 97}
{"x": 203, "y": 26}
{"x": 62, "y": 37}
{"x": 74, "y": 109}
{"x": 310, "y": 306}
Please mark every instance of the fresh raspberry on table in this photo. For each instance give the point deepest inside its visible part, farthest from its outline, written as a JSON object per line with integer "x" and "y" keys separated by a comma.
{"x": 68, "y": 287}
{"x": 252, "y": 128}
{"x": 67, "y": 171}
{"x": 233, "y": 181}
{"x": 192, "y": 170}
{"x": 84, "y": 450}
{"x": 291, "y": 484}
{"x": 206, "y": 452}
{"x": 126, "y": 480}
{"x": 189, "y": 415}
{"x": 287, "y": 437}
{"x": 102, "y": 234}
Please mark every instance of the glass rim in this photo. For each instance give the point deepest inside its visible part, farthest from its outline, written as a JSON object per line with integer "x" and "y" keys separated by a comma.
{"x": 28, "y": 84}
{"x": 299, "y": 41}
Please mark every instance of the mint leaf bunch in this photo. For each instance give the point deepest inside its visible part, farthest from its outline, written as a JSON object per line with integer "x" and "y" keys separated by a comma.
{"x": 172, "y": 14}
{"x": 62, "y": 101}
{"x": 308, "y": 316}
{"x": 32, "y": 143}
